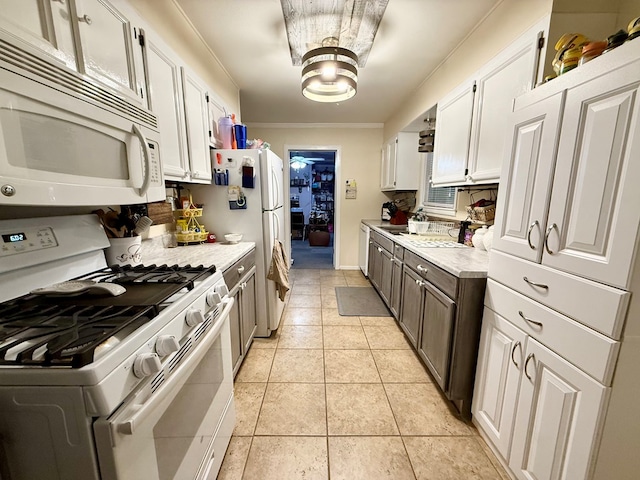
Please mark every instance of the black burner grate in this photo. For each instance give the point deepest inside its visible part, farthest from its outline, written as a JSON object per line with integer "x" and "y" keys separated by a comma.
{"x": 52, "y": 330}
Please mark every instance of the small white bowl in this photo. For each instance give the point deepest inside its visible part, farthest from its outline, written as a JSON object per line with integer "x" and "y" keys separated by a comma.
{"x": 233, "y": 237}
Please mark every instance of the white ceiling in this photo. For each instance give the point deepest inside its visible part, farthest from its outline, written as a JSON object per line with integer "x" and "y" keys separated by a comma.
{"x": 249, "y": 39}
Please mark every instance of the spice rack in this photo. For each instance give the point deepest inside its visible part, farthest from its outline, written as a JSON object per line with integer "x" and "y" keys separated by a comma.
{"x": 189, "y": 230}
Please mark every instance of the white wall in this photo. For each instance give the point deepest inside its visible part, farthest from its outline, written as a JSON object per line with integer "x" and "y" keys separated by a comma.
{"x": 359, "y": 160}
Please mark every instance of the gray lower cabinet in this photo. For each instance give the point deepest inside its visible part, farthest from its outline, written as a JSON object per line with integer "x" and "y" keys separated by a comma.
{"x": 434, "y": 346}
{"x": 411, "y": 312}
{"x": 395, "y": 302}
{"x": 386, "y": 263}
{"x": 241, "y": 281}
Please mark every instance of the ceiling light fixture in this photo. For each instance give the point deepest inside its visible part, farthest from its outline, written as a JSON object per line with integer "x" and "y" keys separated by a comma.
{"x": 331, "y": 39}
{"x": 329, "y": 73}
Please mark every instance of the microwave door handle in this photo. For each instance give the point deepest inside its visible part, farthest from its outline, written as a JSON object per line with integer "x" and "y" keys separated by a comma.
{"x": 147, "y": 161}
{"x": 128, "y": 425}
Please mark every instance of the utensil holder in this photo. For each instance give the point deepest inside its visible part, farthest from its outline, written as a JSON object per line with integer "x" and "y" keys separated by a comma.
{"x": 124, "y": 251}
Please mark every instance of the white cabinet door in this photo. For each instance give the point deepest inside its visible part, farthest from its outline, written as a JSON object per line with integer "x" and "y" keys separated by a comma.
{"x": 500, "y": 361}
{"x": 503, "y": 79}
{"x": 453, "y": 130}
{"x": 165, "y": 97}
{"x": 558, "y": 418}
{"x": 388, "y": 167}
{"x": 107, "y": 46}
{"x": 526, "y": 175}
{"x": 45, "y": 24}
{"x": 594, "y": 212}
{"x": 216, "y": 112}
{"x": 197, "y": 119}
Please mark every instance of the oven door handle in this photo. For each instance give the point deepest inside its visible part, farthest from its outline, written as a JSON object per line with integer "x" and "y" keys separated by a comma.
{"x": 143, "y": 410}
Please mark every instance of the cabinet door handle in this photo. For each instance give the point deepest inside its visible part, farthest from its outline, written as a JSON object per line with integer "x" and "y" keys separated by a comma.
{"x": 513, "y": 350}
{"x": 420, "y": 268}
{"x": 379, "y": 250}
{"x": 420, "y": 283}
{"x": 240, "y": 269}
{"x": 86, "y": 19}
{"x": 535, "y": 223}
{"x": 546, "y": 238}
{"x": 526, "y": 363}
{"x": 534, "y": 284}
{"x": 528, "y": 320}
{"x": 58, "y": 1}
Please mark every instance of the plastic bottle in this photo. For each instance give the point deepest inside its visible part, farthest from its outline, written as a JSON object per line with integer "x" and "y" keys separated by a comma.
{"x": 234, "y": 143}
{"x": 225, "y": 128}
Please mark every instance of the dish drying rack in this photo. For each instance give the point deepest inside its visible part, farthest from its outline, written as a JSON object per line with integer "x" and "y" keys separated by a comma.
{"x": 189, "y": 230}
{"x": 430, "y": 228}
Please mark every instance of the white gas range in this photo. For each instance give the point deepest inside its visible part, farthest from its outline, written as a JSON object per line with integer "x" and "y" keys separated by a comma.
{"x": 105, "y": 384}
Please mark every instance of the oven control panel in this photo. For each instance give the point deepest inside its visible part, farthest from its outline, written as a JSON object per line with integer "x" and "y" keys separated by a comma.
{"x": 26, "y": 239}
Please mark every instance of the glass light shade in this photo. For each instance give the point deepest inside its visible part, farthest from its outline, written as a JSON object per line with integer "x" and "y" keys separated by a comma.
{"x": 329, "y": 74}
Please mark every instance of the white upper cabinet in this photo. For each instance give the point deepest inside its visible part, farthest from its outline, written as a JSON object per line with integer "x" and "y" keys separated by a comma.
{"x": 91, "y": 37}
{"x": 400, "y": 163}
{"x": 453, "y": 130}
{"x": 179, "y": 99}
{"x": 594, "y": 214}
{"x": 165, "y": 98}
{"x": 507, "y": 77}
{"x": 44, "y": 24}
{"x": 108, "y": 49}
{"x": 526, "y": 178}
{"x": 578, "y": 213}
{"x": 472, "y": 119}
{"x": 198, "y": 126}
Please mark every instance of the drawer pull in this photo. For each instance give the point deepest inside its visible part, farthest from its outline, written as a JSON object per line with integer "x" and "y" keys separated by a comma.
{"x": 240, "y": 269}
{"x": 513, "y": 350}
{"x": 534, "y": 284}
{"x": 420, "y": 283}
{"x": 546, "y": 238}
{"x": 526, "y": 363}
{"x": 529, "y": 234}
{"x": 85, "y": 18}
{"x": 422, "y": 269}
{"x": 528, "y": 320}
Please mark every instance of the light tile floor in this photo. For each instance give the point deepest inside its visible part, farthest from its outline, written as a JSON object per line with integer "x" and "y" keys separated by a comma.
{"x": 332, "y": 397}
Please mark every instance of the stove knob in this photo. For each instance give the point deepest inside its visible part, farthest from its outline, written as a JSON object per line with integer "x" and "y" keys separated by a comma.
{"x": 194, "y": 317}
{"x": 146, "y": 364}
{"x": 166, "y": 344}
{"x": 213, "y": 299}
{"x": 222, "y": 289}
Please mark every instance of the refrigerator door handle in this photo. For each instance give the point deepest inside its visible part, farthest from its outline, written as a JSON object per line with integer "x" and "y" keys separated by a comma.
{"x": 276, "y": 190}
{"x": 277, "y": 230}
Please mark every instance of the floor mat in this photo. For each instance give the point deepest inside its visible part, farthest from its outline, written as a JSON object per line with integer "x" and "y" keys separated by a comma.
{"x": 360, "y": 301}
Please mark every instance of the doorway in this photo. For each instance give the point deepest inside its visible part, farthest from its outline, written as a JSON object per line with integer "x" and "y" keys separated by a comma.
{"x": 312, "y": 198}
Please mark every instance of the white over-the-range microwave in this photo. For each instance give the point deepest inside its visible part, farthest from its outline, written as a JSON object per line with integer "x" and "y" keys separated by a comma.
{"x": 67, "y": 141}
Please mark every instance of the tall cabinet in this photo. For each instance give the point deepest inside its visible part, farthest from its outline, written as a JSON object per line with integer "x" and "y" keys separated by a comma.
{"x": 558, "y": 319}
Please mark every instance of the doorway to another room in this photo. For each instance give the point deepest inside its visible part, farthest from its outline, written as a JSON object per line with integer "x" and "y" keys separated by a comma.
{"x": 312, "y": 175}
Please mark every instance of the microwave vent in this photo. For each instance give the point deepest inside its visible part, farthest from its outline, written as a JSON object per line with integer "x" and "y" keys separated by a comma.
{"x": 26, "y": 64}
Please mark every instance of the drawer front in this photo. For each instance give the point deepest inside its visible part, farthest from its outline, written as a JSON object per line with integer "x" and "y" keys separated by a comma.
{"x": 590, "y": 351}
{"x": 383, "y": 241}
{"x": 398, "y": 252}
{"x": 595, "y": 305}
{"x": 444, "y": 281}
{"x": 235, "y": 272}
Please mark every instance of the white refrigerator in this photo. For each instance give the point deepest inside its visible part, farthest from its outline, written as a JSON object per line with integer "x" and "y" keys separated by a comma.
{"x": 259, "y": 214}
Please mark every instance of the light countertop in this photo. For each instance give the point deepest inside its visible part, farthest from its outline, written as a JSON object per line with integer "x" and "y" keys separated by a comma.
{"x": 463, "y": 262}
{"x": 220, "y": 254}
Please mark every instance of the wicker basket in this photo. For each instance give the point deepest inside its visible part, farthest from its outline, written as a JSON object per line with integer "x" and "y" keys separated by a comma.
{"x": 482, "y": 214}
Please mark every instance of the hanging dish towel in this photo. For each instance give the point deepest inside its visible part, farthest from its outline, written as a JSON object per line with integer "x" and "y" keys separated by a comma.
{"x": 279, "y": 270}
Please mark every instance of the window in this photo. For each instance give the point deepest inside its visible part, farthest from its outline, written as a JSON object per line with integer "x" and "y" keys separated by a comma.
{"x": 436, "y": 198}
